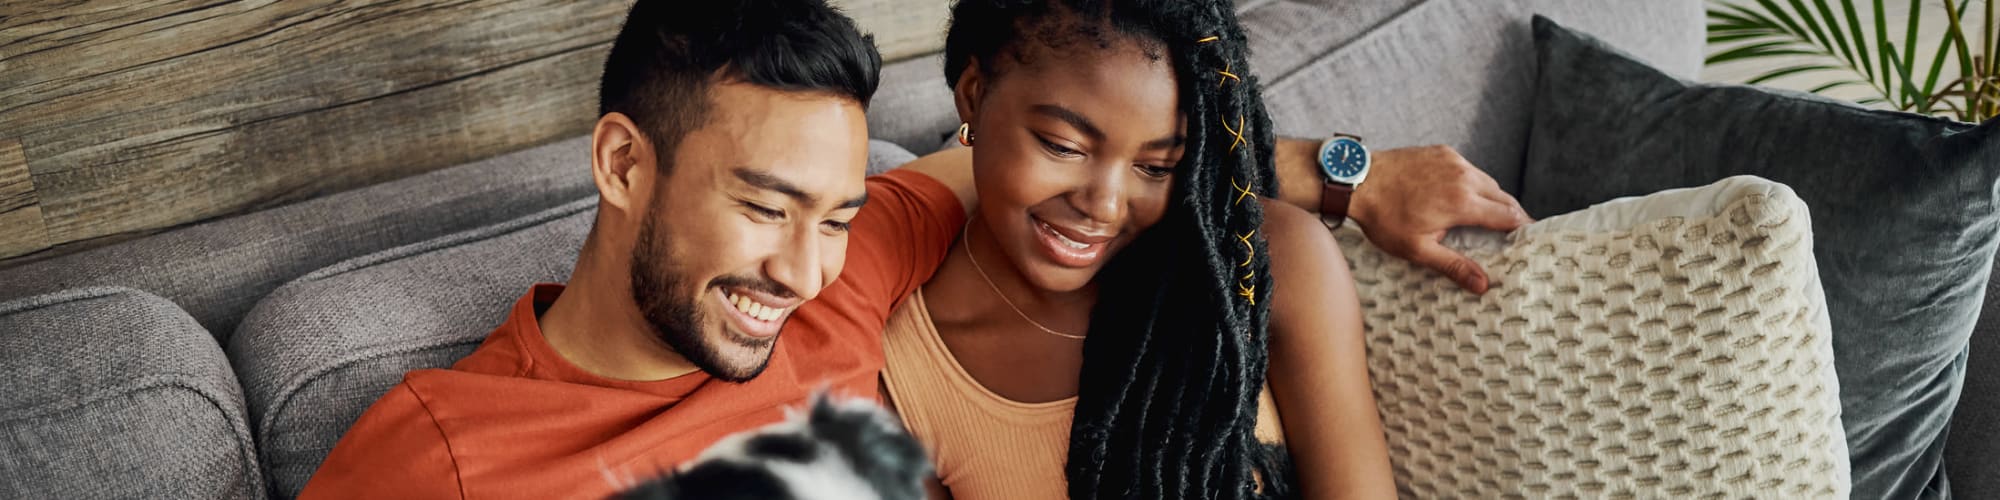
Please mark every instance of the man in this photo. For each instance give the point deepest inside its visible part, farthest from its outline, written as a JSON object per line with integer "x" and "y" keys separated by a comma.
{"x": 729, "y": 159}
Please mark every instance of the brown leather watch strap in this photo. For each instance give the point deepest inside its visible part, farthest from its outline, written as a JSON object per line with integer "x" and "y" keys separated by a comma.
{"x": 1333, "y": 200}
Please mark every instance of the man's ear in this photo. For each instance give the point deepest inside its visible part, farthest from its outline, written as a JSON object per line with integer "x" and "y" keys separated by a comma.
{"x": 968, "y": 93}
{"x": 617, "y": 150}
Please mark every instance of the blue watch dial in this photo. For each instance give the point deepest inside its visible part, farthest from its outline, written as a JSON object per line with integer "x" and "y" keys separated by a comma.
{"x": 1343, "y": 160}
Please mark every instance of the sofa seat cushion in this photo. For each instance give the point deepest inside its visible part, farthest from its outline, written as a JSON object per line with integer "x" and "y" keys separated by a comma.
{"x": 115, "y": 393}
{"x": 1671, "y": 346}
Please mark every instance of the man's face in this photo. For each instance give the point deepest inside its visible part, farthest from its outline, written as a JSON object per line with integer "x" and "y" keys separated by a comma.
{"x": 749, "y": 221}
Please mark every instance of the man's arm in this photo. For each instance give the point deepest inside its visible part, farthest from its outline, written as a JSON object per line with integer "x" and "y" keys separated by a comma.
{"x": 1411, "y": 197}
{"x": 394, "y": 451}
{"x": 953, "y": 168}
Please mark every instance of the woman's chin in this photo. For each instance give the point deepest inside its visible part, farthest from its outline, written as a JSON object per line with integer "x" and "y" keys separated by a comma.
{"x": 1051, "y": 278}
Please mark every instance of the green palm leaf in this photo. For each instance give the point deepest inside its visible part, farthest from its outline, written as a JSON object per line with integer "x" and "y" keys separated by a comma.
{"x": 1857, "y": 51}
{"x": 1765, "y": 49}
{"x": 1789, "y": 70}
{"x": 1908, "y": 65}
{"x": 1840, "y": 37}
{"x": 1912, "y": 97}
{"x": 1956, "y": 37}
{"x": 1721, "y": 38}
{"x": 1882, "y": 40}
{"x": 1836, "y": 84}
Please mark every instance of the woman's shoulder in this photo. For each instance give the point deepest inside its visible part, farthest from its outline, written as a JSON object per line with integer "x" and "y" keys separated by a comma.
{"x": 1292, "y": 233}
{"x": 1307, "y": 267}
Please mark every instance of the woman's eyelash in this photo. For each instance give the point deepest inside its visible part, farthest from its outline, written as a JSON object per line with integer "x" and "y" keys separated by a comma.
{"x": 1057, "y": 149}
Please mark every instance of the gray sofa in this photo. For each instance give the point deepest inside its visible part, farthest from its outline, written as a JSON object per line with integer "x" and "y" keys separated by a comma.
{"x": 226, "y": 358}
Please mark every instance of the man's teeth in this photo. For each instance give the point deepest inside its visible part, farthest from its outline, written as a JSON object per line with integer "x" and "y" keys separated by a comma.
{"x": 1065, "y": 239}
{"x": 754, "y": 309}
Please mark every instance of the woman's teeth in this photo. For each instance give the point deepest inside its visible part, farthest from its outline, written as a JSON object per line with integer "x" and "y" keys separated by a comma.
{"x": 754, "y": 309}
{"x": 1064, "y": 239}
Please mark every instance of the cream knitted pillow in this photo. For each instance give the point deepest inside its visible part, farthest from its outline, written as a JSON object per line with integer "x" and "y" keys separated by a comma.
{"x": 1669, "y": 346}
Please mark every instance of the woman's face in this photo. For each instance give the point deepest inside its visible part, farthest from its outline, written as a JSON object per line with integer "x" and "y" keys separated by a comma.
{"x": 1073, "y": 153}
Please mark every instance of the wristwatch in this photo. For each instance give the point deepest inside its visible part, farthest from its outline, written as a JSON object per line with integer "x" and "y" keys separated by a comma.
{"x": 1344, "y": 162}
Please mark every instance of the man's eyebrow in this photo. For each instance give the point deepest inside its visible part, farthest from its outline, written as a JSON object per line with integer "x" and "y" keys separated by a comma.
{"x": 854, "y": 202}
{"x": 1075, "y": 120}
{"x": 764, "y": 180}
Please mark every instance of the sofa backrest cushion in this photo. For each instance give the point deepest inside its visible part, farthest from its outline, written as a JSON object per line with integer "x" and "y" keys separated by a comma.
{"x": 116, "y": 393}
{"x": 217, "y": 270}
{"x": 318, "y": 351}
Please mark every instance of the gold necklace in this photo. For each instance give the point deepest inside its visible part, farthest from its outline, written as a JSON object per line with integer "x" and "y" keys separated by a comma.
{"x": 966, "y": 236}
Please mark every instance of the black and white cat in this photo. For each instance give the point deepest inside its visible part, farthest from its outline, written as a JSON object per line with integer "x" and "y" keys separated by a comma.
{"x": 835, "y": 449}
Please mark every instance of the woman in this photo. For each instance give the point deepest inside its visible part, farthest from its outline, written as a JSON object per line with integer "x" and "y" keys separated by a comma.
{"x": 1104, "y": 317}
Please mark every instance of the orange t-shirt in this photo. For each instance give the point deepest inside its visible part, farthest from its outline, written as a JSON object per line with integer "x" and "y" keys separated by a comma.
{"x": 516, "y": 420}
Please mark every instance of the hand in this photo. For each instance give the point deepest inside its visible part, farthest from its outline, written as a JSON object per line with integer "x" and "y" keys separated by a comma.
{"x": 1413, "y": 195}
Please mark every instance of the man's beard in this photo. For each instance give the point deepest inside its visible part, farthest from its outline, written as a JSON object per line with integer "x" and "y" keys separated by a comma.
{"x": 662, "y": 297}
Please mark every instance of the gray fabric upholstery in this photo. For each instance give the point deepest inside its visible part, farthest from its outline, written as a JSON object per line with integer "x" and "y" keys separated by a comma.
{"x": 1397, "y": 72}
{"x": 912, "y": 107}
{"x": 1903, "y": 216}
{"x": 1972, "y": 445}
{"x": 1452, "y": 72}
{"x": 217, "y": 270}
{"x": 884, "y": 156}
{"x": 115, "y": 393}
{"x": 319, "y": 350}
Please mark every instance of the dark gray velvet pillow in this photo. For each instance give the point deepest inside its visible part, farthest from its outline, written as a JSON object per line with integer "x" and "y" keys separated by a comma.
{"x": 1903, "y": 221}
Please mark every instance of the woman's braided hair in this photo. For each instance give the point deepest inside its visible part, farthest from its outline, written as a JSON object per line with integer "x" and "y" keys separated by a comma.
{"x": 1174, "y": 365}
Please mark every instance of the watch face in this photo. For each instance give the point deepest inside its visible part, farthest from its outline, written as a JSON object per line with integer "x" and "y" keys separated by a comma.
{"x": 1344, "y": 160}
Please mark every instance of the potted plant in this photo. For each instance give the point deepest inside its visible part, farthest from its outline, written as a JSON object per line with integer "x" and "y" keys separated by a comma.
{"x": 1831, "y": 40}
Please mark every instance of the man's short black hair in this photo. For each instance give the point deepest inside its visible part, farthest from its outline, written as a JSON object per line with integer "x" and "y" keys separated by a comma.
{"x": 669, "y": 52}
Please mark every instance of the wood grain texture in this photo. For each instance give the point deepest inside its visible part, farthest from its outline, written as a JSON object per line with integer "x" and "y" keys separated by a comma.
{"x": 135, "y": 116}
{"x": 902, "y": 28}
{"x": 131, "y": 116}
{"x": 21, "y": 228}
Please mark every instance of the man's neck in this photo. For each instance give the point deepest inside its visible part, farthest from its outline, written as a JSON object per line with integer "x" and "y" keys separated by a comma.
{"x": 596, "y": 325}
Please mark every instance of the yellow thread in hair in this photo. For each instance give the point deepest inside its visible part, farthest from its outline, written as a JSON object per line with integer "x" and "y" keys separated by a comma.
{"x": 1238, "y": 132}
{"x": 1245, "y": 239}
{"x": 1225, "y": 72}
{"x": 1248, "y": 292}
{"x": 1249, "y": 276}
{"x": 1242, "y": 191}
{"x": 1209, "y": 39}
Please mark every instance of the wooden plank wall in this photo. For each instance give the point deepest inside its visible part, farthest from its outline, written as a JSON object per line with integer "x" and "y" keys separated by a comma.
{"x": 124, "y": 117}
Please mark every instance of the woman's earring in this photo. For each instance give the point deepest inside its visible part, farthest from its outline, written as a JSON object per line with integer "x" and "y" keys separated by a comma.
{"x": 965, "y": 134}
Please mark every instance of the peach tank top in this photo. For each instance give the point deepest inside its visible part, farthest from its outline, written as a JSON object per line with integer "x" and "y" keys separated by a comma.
{"x": 985, "y": 446}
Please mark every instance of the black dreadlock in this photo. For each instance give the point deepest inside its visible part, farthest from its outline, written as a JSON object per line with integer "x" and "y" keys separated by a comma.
{"x": 1174, "y": 365}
